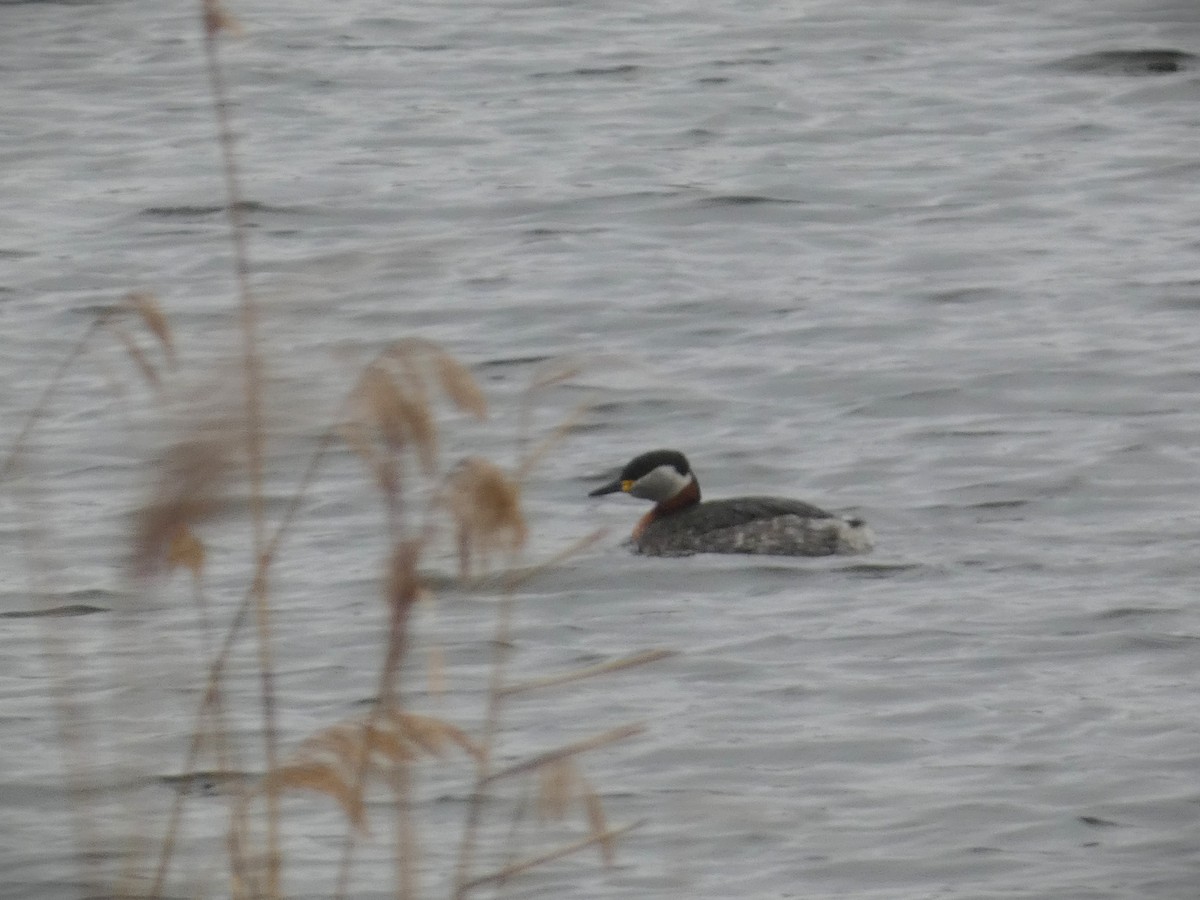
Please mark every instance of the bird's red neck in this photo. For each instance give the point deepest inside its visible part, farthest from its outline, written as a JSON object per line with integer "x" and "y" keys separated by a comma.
{"x": 689, "y": 496}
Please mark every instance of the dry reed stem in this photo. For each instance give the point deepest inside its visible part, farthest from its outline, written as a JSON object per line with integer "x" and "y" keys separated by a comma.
{"x": 43, "y": 402}
{"x": 325, "y": 778}
{"x": 407, "y": 852}
{"x": 554, "y": 373}
{"x": 146, "y": 306}
{"x": 216, "y": 21}
{"x": 545, "y": 376}
{"x": 501, "y": 875}
{"x": 401, "y": 593}
{"x": 69, "y": 720}
{"x": 518, "y": 578}
{"x": 556, "y": 788}
{"x": 501, "y": 644}
{"x": 513, "y": 835}
{"x": 612, "y": 736}
{"x": 533, "y": 458}
{"x": 141, "y": 303}
{"x": 136, "y": 354}
{"x": 164, "y": 536}
{"x": 217, "y": 668}
{"x": 560, "y": 784}
{"x": 402, "y": 590}
{"x": 598, "y": 824}
{"x": 356, "y": 435}
{"x": 616, "y": 665}
{"x": 435, "y": 678}
{"x": 353, "y": 432}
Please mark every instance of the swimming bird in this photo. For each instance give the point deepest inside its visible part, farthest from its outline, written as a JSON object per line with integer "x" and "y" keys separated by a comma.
{"x": 680, "y": 525}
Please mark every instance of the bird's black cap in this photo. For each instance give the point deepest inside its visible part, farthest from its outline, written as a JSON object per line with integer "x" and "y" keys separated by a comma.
{"x": 644, "y": 465}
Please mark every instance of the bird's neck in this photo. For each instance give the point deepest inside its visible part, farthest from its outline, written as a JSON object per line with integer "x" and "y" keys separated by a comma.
{"x": 687, "y": 497}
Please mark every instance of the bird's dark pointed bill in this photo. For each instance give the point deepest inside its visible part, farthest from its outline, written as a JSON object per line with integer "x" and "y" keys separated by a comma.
{"x": 611, "y": 488}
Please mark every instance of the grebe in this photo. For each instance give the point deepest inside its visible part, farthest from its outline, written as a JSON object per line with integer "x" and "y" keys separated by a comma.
{"x": 680, "y": 525}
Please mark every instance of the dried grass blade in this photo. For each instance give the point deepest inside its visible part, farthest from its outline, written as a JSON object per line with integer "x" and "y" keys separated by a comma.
{"x": 612, "y": 736}
{"x": 531, "y": 460}
{"x": 39, "y": 409}
{"x": 518, "y": 578}
{"x": 324, "y": 778}
{"x": 432, "y": 734}
{"x": 342, "y": 742}
{"x": 186, "y": 551}
{"x": 436, "y": 671}
{"x": 553, "y": 373}
{"x": 459, "y": 384}
{"x": 556, "y": 787}
{"x": 330, "y": 760}
{"x": 532, "y": 862}
{"x": 403, "y": 586}
{"x": 146, "y": 306}
{"x": 386, "y": 741}
{"x": 616, "y": 665}
{"x": 139, "y": 358}
{"x": 354, "y": 434}
{"x": 598, "y": 823}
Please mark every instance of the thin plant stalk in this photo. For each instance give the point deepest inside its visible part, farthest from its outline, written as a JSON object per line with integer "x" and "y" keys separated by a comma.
{"x": 68, "y": 713}
{"x": 69, "y": 717}
{"x": 43, "y": 403}
{"x": 213, "y": 19}
{"x": 217, "y": 666}
{"x": 402, "y": 595}
{"x": 517, "y": 868}
{"x": 501, "y": 644}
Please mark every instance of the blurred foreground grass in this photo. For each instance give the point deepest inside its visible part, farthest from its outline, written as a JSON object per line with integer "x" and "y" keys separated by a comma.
{"x": 392, "y": 420}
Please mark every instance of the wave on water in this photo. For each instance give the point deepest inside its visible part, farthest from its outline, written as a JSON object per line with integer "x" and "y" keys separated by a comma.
{"x": 1129, "y": 62}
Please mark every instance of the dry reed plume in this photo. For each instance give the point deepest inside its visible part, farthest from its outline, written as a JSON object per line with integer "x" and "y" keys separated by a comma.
{"x": 392, "y": 420}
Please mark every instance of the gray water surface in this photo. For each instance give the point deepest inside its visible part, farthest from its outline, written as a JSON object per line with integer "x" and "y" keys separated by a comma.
{"x": 935, "y": 263}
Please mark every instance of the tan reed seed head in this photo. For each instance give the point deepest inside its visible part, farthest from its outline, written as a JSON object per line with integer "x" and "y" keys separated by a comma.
{"x": 145, "y": 305}
{"x": 193, "y": 474}
{"x": 485, "y": 504}
{"x": 331, "y": 761}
